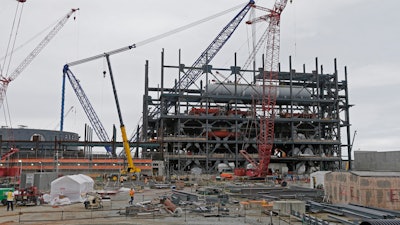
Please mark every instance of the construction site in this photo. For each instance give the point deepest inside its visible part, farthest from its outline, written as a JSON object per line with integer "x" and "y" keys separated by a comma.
{"x": 239, "y": 144}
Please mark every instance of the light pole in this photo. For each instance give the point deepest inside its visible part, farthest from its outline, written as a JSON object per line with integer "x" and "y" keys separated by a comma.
{"x": 20, "y": 172}
{"x": 41, "y": 166}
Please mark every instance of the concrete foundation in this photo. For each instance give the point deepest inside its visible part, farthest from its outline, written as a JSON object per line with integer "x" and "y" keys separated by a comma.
{"x": 285, "y": 207}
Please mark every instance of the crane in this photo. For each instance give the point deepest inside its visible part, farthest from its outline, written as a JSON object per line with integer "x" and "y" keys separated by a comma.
{"x": 66, "y": 114}
{"x": 190, "y": 76}
{"x": 268, "y": 96}
{"x": 131, "y": 167}
{"x": 210, "y": 53}
{"x": 91, "y": 113}
{"x": 87, "y": 107}
{"x": 5, "y": 80}
{"x": 259, "y": 43}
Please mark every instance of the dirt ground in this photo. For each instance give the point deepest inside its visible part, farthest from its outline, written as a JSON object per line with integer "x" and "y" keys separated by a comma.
{"x": 113, "y": 212}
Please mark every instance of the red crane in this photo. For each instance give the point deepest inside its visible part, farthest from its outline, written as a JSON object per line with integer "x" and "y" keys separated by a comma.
{"x": 6, "y": 79}
{"x": 269, "y": 90}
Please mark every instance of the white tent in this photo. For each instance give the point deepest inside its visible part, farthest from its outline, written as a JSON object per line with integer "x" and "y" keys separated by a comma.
{"x": 73, "y": 187}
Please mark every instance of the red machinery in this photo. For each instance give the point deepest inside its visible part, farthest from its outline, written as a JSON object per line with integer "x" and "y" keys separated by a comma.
{"x": 27, "y": 196}
{"x": 5, "y": 79}
{"x": 268, "y": 95}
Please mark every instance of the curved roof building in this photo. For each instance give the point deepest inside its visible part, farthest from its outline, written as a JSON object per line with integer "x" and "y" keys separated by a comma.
{"x": 35, "y": 142}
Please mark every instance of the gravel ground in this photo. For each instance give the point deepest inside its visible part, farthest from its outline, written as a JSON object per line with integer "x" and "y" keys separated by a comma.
{"x": 113, "y": 212}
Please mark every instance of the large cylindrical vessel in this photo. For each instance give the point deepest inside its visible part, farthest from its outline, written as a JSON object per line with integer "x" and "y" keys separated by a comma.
{"x": 256, "y": 90}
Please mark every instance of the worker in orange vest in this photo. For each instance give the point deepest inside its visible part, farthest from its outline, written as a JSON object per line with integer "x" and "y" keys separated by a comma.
{"x": 132, "y": 194}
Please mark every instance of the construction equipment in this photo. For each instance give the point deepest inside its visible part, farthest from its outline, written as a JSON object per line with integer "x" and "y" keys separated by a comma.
{"x": 9, "y": 153}
{"x": 27, "y": 196}
{"x": 131, "y": 167}
{"x": 211, "y": 51}
{"x": 87, "y": 107}
{"x": 95, "y": 121}
{"x": 269, "y": 89}
{"x": 191, "y": 75}
{"x": 189, "y": 78}
{"x": 93, "y": 201}
{"x": 5, "y": 80}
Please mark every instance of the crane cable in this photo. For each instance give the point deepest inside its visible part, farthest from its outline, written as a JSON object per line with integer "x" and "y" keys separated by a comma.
{"x": 6, "y": 110}
{"x": 10, "y": 39}
{"x": 185, "y": 27}
{"x": 154, "y": 38}
{"x": 32, "y": 38}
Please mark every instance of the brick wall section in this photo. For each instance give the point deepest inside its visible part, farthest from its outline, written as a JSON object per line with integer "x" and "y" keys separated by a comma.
{"x": 377, "y": 191}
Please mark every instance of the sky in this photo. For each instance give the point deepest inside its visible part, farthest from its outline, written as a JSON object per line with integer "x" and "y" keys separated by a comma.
{"x": 362, "y": 35}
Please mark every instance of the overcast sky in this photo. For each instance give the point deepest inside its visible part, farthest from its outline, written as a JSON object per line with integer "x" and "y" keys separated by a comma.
{"x": 362, "y": 34}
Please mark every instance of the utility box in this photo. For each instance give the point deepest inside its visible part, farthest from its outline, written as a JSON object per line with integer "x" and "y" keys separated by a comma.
{"x": 40, "y": 180}
{"x": 3, "y": 194}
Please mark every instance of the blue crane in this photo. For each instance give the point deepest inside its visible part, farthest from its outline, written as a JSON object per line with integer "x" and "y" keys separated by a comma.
{"x": 188, "y": 79}
{"x": 86, "y": 105}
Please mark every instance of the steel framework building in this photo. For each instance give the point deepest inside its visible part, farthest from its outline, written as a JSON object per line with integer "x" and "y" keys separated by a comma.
{"x": 208, "y": 125}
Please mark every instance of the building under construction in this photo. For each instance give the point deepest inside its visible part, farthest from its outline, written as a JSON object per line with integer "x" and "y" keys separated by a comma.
{"x": 208, "y": 126}
{"x": 217, "y": 119}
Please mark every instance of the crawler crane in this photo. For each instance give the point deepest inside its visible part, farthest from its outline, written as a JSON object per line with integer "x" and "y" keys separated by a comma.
{"x": 131, "y": 168}
{"x": 268, "y": 95}
{"x": 188, "y": 80}
{"x": 5, "y": 80}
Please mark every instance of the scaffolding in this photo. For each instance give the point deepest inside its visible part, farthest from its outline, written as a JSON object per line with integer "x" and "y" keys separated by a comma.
{"x": 209, "y": 125}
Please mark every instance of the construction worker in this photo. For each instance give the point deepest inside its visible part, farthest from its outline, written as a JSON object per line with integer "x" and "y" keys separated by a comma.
{"x": 132, "y": 194}
{"x": 10, "y": 200}
{"x": 121, "y": 180}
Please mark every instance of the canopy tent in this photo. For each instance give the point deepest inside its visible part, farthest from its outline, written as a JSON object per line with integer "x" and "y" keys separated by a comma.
{"x": 73, "y": 187}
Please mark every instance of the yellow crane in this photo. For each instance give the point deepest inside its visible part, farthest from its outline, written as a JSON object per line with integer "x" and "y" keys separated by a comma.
{"x": 131, "y": 167}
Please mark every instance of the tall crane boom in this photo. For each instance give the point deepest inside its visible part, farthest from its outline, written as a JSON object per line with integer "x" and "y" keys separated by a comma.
{"x": 86, "y": 105}
{"x": 131, "y": 167}
{"x": 190, "y": 76}
{"x": 269, "y": 84}
{"x": 268, "y": 98}
{"x": 207, "y": 55}
{"x": 5, "y": 80}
